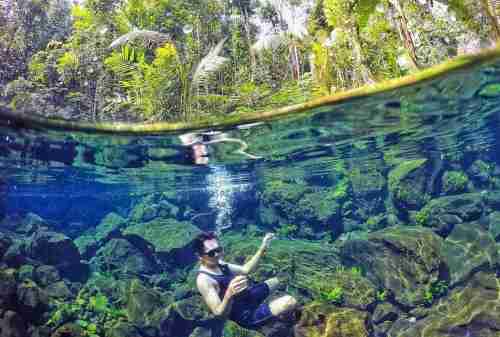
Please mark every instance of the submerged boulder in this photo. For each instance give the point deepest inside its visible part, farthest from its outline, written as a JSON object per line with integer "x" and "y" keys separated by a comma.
{"x": 400, "y": 259}
{"x": 180, "y": 319}
{"x": 469, "y": 310}
{"x": 92, "y": 240}
{"x": 407, "y": 184}
{"x": 170, "y": 238}
{"x": 153, "y": 206}
{"x": 53, "y": 248}
{"x": 119, "y": 256}
{"x": 442, "y": 214}
{"x": 467, "y": 249}
{"x": 330, "y": 321}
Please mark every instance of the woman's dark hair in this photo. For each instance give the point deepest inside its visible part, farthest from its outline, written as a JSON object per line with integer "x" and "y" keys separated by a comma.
{"x": 199, "y": 240}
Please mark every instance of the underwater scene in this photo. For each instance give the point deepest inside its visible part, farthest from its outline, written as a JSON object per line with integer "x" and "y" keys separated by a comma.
{"x": 385, "y": 210}
{"x": 249, "y": 168}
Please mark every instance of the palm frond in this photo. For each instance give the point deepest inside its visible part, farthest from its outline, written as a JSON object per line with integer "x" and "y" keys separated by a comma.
{"x": 272, "y": 41}
{"x": 210, "y": 64}
{"x": 148, "y": 38}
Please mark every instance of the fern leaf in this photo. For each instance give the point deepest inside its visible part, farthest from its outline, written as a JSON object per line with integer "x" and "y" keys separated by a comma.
{"x": 148, "y": 38}
{"x": 210, "y": 64}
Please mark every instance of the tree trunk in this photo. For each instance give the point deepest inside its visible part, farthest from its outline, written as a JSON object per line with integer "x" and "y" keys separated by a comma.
{"x": 489, "y": 7}
{"x": 405, "y": 33}
{"x": 366, "y": 76}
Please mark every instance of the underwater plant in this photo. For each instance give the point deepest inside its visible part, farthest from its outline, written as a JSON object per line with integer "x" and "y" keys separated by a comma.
{"x": 435, "y": 290}
{"x": 287, "y": 230}
{"x": 335, "y": 295}
{"x": 381, "y": 295}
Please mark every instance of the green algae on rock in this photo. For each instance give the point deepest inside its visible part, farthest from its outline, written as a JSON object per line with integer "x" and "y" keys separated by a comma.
{"x": 400, "y": 259}
{"x": 467, "y": 249}
{"x": 164, "y": 234}
{"x": 323, "y": 320}
{"x": 407, "y": 184}
{"x": 472, "y": 308}
{"x": 442, "y": 214}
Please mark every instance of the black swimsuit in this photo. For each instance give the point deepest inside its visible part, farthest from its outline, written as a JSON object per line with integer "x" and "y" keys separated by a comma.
{"x": 248, "y": 309}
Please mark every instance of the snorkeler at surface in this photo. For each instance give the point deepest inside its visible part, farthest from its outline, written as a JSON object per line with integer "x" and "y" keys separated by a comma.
{"x": 226, "y": 288}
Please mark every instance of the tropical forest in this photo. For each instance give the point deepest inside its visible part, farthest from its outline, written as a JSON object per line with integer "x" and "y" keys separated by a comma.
{"x": 171, "y": 60}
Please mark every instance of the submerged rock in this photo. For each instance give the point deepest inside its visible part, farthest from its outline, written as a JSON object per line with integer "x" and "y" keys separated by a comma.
{"x": 5, "y": 243}
{"x": 467, "y": 249}
{"x": 181, "y": 318}
{"x": 165, "y": 234}
{"x": 442, "y": 214}
{"x": 153, "y": 206}
{"x": 108, "y": 228}
{"x": 13, "y": 324}
{"x": 53, "y": 248}
{"x": 494, "y": 225}
{"x": 142, "y": 302}
{"x": 454, "y": 182}
{"x": 121, "y": 257}
{"x": 329, "y": 321}
{"x": 170, "y": 238}
{"x": 31, "y": 300}
{"x": 407, "y": 185}
{"x": 470, "y": 310}
{"x": 400, "y": 259}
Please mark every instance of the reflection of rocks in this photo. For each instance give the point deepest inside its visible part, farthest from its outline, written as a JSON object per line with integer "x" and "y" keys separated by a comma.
{"x": 467, "y": 249}
{"x": 401, "y": 259}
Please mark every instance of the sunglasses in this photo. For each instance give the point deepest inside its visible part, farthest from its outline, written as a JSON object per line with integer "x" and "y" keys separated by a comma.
{"x": 213, "y": 252}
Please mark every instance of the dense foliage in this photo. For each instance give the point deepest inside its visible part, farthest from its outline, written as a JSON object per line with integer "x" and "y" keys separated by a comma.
{"x": 180, "y": 59}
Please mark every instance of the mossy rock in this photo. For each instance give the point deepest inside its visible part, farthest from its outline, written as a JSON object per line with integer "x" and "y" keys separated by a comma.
{"x": 120, "y": 257}
{"x": 455, "y": 182}
{"x": 442, "y": 214}
{"x": 306, "y": 262}
{"x": 282, "y": 194}
{"x": 152, "y": 206}
{"x": 142, "y": 302}
{"x": 322, "y": 320}
{"x": 494, "y": 225}
{"x": 407, "y": 185}
{"x": 468, "y": 248}
{"x": 165, "y": 234}
{"x": 480, "y": 173}
{"x": 469, "y": 310}
{"x": 491, "y": 90}
{"x": 93, "y": 239}
{"x": 187, "y": 317}
{"x": 400, "y": 259}
{"x": 358, "y": 291}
